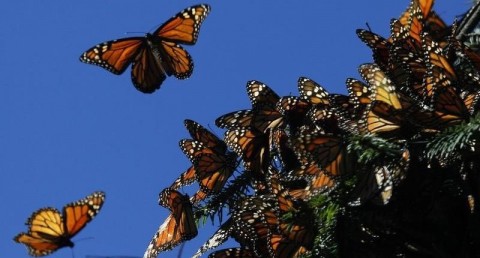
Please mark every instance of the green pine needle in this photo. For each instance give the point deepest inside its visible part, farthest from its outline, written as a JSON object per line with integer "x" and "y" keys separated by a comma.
{"x": 449, "y": 143}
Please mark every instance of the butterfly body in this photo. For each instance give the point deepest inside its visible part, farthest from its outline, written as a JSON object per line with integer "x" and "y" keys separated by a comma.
{"x": 154, "y": 56}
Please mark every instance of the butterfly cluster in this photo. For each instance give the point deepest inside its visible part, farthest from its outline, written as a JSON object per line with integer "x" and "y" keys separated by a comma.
{"x": 383, "y": 171}
{"x": 363, "y": 152}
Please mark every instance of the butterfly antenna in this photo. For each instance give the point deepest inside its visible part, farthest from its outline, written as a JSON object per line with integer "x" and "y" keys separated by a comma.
{"x": 213, "y": 131}
{"x": 368, "y": 26}
{"x": 83, "y": 239}
{"x": 134, "y": 32}
{"x": 155, "y": 27}
{"x": 180, "y": 251}
{"x": 73, "y": 253}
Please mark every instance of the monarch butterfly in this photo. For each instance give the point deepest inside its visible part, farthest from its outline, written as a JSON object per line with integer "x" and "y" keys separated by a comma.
{"x": 436, "y": 59}
{"x": 312, "y": 92}
{"x": 264, "y": 101}
{"x": 420, "y": 17}
{"x": 376, "y": 185}
{"x": 255, "y": 219}
{"x": 190, "y": 148}
{"x": 386, "y": 114}
{"x": 281, "y": 146}
{"x": 328, "y": 151}
{"x": 295, "y": 227}
{"x": 154, "y": 56}
{"x": 316, "y": 104}
{"x": 319, "y": 181}
{"x": 50, "y": 230}
{"x": 412, "y": 19}
{"x": 241, "y": 118}
{"x": 201, "y": 134}
{"x": 439, "y": 85}
{"x": 471, "y": 101}
{"x": 407, "y": 57}
{"x": 359, "y": 93}
{"x": 437, "y": 27}
{"x": 213, "y": 170}
{"x": 185, "y": 178}
{"x": 379, "y": 45}
{"x": 178, "y": 227}
{"x": 203, "y": 142}
{"x": 467, "y": 61}
{"x": 252, "y": 145}
{"x": 212, "y": 163}
{"x": 293, "y": 111}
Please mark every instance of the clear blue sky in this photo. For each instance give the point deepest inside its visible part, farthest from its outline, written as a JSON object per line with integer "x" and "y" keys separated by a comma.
{"x": 70, "y": 128}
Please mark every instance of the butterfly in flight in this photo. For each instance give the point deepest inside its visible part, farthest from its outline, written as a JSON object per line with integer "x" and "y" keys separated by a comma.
{"x": 50, "y": 230}
{"x": 154, "y": 56}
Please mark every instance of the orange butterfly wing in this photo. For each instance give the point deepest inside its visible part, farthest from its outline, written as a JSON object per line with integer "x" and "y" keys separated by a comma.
{"x": 183, "y": 28}
{"x": 78, "y": 214}
{"x": 46, "y": 233}
{"x": 115, "y": 55}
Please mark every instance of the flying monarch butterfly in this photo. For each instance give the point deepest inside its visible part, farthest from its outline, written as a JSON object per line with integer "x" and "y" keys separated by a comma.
{"x": 50, "y": 230}
{"x": 177, "y": 228}
{"x": 155, "y": 56}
